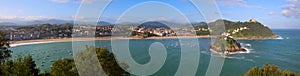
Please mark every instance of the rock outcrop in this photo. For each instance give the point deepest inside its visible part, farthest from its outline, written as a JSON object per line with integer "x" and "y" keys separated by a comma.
{"x": 227, "y": 45}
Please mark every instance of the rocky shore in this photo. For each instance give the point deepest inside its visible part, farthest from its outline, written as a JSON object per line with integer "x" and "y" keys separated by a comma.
{"x": 258, "y": 37}
{"x": 227, "y": 45}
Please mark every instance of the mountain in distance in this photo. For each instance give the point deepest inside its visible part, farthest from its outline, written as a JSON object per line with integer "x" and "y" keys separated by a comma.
{"x": 103, "y": 23}
{"x": 199, "y": 24}
{"x": 153, "y": 24}
{"x": 169, "y": 22}
{"x": 7, "y": 24}
{"x": 35, "y": 22}
{"x": 50, "y": 21}
{"x": 160, "y": 21}
{"x": 59, "y": 21}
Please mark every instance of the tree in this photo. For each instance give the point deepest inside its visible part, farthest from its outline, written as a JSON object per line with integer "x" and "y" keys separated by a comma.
{"x": 4, "y": 45}
{"x": 7, "y": 68}
{"x": 64, "y": 67}
{"x": 20, "y": 67}
{"x": 268, "y": 70}
{"x": 4, "y": 51}
{"x": 30, "y": 63}
{"x": 134, "y": 33}
{"x": 255, "y": 71}
{"x": 106, "y": 58}
{"x": 109, "y": 63}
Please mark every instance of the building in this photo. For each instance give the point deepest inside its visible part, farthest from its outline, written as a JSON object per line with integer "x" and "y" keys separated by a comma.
{"x": 252, "y": 20}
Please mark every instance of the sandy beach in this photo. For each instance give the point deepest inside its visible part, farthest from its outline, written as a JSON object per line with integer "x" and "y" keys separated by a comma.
{"x": 37, "y": 41}
{"x": 14, "y": 43}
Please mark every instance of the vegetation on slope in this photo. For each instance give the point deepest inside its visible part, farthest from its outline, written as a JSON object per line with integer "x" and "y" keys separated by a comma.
{"x": 230, "y": 45}
{"x": 269, "y": 70}
{"x": 256, "y": 29}
{"x": 106, "y": 58}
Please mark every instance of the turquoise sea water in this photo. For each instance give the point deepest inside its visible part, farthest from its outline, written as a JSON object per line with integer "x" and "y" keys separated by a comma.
{"x": 283, "y": 52}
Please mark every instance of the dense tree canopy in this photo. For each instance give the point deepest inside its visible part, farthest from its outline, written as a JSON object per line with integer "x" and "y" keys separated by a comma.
{"x": 256, "y": 29}
{"x": 106, "y": 59}
{"x": 20, "y": 67}
{"x": 269, "y": 70}
{"x": 4, "y": 51}
{"x": 64, "y": 67}
{"x": 4, "y": 45}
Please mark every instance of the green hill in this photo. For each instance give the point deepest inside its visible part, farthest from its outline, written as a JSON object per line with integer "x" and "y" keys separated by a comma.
{"x": 254, "y": 29}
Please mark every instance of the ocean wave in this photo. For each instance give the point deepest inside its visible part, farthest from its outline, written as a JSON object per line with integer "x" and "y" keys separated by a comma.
{"x": 279, "y": 38}
{"x": 231, "y": 53}
{"x": 230, "y": 56}
{"x": 239, "y": 52}
{"x": 245, "y": 45}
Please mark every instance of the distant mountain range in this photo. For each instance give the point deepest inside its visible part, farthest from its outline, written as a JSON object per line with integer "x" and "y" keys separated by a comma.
{"x": 21, "y": 23}
{"x": 58, "y": 21}
{"x": 103, "y": 23}
{"x": 153, "y": 24}
{"x": 7, "y": 24}
{"x": 51, "y": 21}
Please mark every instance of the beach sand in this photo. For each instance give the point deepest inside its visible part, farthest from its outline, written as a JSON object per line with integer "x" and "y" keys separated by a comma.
{"x": 36, "y": 41}
{"x": 95, "y": 38}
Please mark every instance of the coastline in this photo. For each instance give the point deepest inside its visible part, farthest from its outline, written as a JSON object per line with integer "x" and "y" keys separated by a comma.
{"x": 38, "y": 41}
{"x": 259, "y": 38}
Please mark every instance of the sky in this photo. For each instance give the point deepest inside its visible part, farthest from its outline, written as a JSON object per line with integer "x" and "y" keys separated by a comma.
{"x": 276, "y": 14}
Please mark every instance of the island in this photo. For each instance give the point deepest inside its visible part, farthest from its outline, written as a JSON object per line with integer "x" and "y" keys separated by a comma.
{"x": 227, "y": 45}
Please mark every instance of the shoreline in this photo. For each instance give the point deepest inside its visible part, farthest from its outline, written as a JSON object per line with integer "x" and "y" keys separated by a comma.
{"x": 38, "y": 41}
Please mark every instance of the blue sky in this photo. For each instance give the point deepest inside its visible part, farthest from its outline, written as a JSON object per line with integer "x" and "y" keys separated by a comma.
{"x": 272, "y": 13}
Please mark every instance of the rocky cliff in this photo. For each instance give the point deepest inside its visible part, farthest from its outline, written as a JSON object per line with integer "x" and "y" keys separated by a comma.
{"x": 227, "y": 45}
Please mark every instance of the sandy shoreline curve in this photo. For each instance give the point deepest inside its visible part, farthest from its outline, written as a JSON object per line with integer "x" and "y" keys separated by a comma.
{"x": 38, "y": 41}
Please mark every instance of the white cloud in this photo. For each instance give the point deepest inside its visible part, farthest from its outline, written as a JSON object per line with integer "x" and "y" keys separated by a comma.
{"x": 272, "y": 13}
{"x": 292, "y": 9}
{"x": 7, "y": 17}
{"x": 236, "y": 3}
{"x": 60, "y": 1}
{"x": 20, "y": 11}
